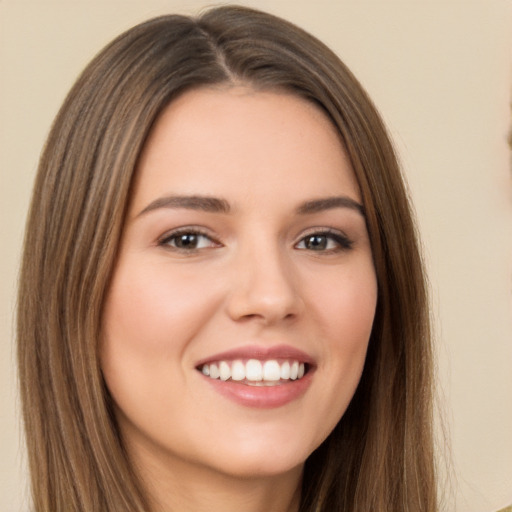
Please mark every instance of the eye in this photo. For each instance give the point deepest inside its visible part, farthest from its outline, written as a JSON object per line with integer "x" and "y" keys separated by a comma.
{"x": 325, "y": 241}
{"x": 187, "y": 240}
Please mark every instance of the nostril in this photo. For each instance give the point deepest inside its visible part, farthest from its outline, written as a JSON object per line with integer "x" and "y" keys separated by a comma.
{"x": 267, "y": 307}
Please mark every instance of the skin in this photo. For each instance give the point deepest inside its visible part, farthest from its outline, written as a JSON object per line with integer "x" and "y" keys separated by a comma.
{"x": 254, "y": 278}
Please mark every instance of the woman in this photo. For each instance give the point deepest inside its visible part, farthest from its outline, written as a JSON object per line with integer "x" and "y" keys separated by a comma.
{"x": 222, "y": 301}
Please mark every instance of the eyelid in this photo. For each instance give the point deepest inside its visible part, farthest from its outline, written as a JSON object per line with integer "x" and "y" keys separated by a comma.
{"x": 182, "y": 230}
{"x": 342, "y": 239}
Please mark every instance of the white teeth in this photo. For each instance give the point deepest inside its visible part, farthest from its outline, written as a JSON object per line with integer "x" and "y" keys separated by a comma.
{"x": 238, "y": 371}
{"x": 224, "y": 370}
{"x": 254, "y": 371}
{"x": 214, "y": 371}
{"x": 285, "y": 370}
{"x": 294, "y": 370}
{"x": 271, "y": 370}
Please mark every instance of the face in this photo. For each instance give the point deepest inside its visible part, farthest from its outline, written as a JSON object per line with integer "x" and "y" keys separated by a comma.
{"x": 238, "y": 317}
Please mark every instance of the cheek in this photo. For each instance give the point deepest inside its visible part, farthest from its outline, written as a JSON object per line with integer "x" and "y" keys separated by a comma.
{"x": 353, "y": 320}
{"x": 345, "y": 312}
{"x": 154, "y": 310}
{"x": 345, "y": 303}
{"x": 149, "y": 321}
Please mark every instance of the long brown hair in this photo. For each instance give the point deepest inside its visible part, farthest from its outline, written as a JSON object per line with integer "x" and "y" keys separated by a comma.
{"x": 380, "y": 455}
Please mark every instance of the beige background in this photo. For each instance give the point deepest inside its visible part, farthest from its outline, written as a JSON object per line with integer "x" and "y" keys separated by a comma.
{"x": 440, "y": 72}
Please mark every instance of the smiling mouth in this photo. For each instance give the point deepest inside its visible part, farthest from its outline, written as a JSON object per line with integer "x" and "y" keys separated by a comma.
{"x": 254, "y": 372}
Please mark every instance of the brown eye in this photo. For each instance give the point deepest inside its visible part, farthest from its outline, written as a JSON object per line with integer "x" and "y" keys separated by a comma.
{"x": 325, "y": 242}
{"x": 316, "y": 242}
{"x": 187, "y": 241}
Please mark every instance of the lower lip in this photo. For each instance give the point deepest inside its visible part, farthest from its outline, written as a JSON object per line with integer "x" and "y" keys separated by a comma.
{"x": 263, "y": 397}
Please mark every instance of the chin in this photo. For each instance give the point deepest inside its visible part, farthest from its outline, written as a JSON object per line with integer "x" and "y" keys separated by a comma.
{"x": 263, "y": 466}
{"x": 262, "y": 459}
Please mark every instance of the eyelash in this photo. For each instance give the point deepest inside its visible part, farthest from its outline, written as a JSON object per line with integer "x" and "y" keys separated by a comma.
{"x": 166, "y": 240}
{"x": 343, "y": 243}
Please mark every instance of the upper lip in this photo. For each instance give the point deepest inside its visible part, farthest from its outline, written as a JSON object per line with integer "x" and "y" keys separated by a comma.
{"x": 261, "y": 353}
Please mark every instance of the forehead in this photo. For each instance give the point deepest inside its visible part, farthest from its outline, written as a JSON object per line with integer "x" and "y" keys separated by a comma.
{"x": 245, "y": 144}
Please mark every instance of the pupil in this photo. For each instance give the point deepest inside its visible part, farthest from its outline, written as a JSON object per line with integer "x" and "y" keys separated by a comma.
{"x": 186, "y": 241}
{"x": 316, "y": 242}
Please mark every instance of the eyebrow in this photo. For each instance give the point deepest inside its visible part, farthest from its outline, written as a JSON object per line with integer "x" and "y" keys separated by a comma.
{"x": 217, "y": 205}
{"x": 329, "y": 203}
{"x": 203, "y": 203}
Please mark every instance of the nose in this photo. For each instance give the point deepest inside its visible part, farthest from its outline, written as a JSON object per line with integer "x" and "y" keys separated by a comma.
{"x": 264, "y": 287}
